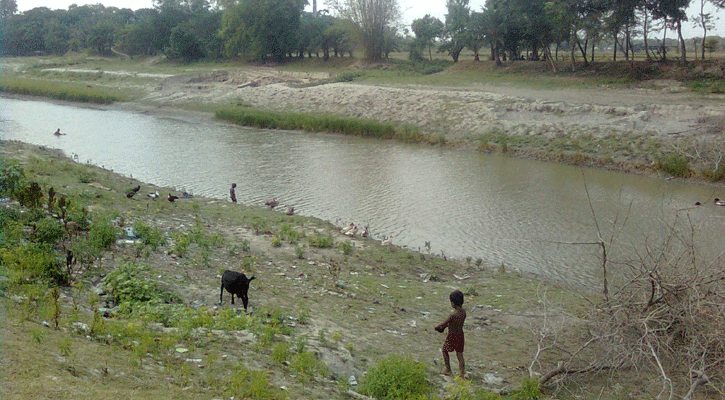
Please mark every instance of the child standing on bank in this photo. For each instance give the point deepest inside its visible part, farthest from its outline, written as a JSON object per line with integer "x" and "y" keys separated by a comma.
{"x": 454, "y": 339}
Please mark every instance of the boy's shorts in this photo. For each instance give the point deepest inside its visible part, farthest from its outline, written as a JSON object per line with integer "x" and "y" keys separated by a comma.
{"x": 454, "y": 342}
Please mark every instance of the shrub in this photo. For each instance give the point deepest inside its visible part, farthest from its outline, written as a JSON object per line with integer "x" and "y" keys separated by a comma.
{"x": 181, "y": 243}
{"x": 347, "y": 247}
{"x": 247, "y": 384}
{"x": 29, "y": 195}
{"x": 10, "y": 177}
{"x": 280, "y": 352}
{"x": 34, "y": 262}
{"x": 396, "y": 377}
{"x": 675, "y": 165}
{"x": 320, "y": 241}
{"x": 152, "y": 237}
{"x": 47, "y": 230}
{"x": 103, "y": 234}
{"x": 307, "y": 366}
{"x": 126, "y": 285}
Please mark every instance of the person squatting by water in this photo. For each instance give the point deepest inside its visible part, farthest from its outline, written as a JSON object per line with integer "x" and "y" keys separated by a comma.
{"x": 455, "y": 339}
{"x": 232, "y": 194}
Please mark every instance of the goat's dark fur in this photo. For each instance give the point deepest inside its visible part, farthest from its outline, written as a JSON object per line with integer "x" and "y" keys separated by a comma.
{"x": 235, "y": 283}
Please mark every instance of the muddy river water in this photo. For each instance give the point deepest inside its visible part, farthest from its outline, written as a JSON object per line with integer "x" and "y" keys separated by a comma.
{"x": 524, "y": 214}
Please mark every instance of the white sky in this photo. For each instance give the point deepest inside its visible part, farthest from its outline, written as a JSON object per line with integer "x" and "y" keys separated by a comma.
{"x": 412, "y": 10}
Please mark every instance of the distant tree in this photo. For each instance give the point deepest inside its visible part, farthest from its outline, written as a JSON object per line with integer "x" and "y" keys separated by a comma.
{"x": 101, "y": 38}
{"x": 260, "y": 28}
{"x": 707, "y": 22}
{"x": 57, "y": 37}
{"x": 427, "y": 30}
{"x": 455, "y": 33}
{"x": 372, "y": 18}
{"x": 184, "y": 46}
{"x": 711, "y": 44}
{"x": 8, "y": 8}
{"x": 476, "y": 33}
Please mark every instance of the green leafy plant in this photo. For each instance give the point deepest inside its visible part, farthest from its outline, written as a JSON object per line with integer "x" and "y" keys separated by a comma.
{"x": 126, "y": 284}
{"x": 281, "y": 352}
{"x": 47, "y": 230}
{"x": 152, "y": 237}
{"x": 248, "y": 384}
{"x": 321, "y": 241}
{"x": 347, "y": 247}
{"x": 103, "y": 234}
{"x": 396, "y": 377}
{"x": 300, "y": 252}
{"x": 307, "y": 366}
{"x": 675, "y": 165}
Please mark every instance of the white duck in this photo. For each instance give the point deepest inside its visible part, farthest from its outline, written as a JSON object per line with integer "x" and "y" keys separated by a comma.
{"x": 388, "y": 241}
{"x": 154, "y": 195}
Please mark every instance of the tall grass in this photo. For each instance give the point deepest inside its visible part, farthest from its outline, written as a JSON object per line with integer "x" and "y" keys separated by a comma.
{"x": 320, "y": 123}
{"x": 61, "y": 91}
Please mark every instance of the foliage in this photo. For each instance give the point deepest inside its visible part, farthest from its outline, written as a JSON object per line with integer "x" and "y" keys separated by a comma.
{"x": 427, "y": 30}
{"x": 307, "y": 366}
{"x": 47, "y": 230}
{"x": 61, "y": 91}
{"x": 675, "y": 165}
{"x": 347, "y": 247}
{"x": 373, "y": 18}
{"x": 29, "y": 194}
{"x": 260, "y": 28}
{"x": 396, "y": 377}
{"x": 126, "y": 284}
{"x": 33, "y": 262}
{"x": 11, "y": 175}
{"x": 103, "y": 234}
{"x": 152, "y": 237}
{"x": 320, "y": 241}
{"x": 184, "y": 46}
{"x": 248, "y": 384}
{"x": 318, "y": 123}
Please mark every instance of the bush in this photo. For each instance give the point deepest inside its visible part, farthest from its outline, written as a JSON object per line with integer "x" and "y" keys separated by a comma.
{"x": 126, "y": 285}
{"x": 248, "y": 384}
{"x": 103, "y": 234}
{"x": 34, "y": 262}
{"x": 675, "y": 165}
{"x": 152, "y": 237}
{"x": 320, "y": 241}
{"x": 10, "y": 177}
{"x": 47, "y": 230}
{"x": 29, "y": 195}
{"x": 396, "y": 377}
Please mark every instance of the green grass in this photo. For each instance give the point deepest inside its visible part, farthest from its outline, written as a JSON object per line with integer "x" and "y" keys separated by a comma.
{"x": 319, "y": 123}
{"x": 60, "y": 90}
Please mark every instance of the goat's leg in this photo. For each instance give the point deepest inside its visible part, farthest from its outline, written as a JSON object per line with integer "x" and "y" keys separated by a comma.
{"x": 221, "y": 294}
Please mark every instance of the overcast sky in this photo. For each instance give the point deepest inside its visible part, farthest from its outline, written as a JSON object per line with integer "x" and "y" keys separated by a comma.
{"x": 412, "y": 9}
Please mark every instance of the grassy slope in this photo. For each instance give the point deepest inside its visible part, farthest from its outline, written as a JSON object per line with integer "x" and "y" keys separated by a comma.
{"x": 351, "y": 310}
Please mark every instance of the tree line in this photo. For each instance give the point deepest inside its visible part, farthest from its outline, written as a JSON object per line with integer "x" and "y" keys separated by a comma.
{"x": 263, "y": 30}
{"x": 509, "y": 27}
{"x": 186, "y": 30}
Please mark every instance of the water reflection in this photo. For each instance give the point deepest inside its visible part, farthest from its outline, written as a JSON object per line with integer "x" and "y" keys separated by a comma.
{"x": 505, "y": 211}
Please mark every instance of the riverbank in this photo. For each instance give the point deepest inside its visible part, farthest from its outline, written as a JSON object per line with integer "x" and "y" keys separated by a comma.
{"x": 656, "y": 125}
{"x": 324, "y": 306}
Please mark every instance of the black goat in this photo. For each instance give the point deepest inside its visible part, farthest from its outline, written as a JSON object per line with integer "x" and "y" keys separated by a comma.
{"x": 235, "y": 283}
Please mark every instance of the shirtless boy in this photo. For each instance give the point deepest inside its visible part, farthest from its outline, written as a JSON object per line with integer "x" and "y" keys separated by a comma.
{"x": 454, "y": 339}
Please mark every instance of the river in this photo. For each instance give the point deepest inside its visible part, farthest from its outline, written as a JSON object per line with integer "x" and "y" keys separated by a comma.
{"x": 521, "y": 213}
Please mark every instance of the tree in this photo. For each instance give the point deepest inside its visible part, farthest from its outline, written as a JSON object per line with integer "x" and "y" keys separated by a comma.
{"x": 372, "y": 18}
{"x": 456, "y": 36}
{"x": 101, "y": 38}
{"x": 706, "y": 20}
{"x": 260, "y": 28}
{"x": 184, "y": 46}
{"x": 8, "y": 8}
{"x": 427, "y": 30}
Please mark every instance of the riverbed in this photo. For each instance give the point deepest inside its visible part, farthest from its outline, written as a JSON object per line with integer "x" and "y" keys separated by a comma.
{"x": 537, "y": 217}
